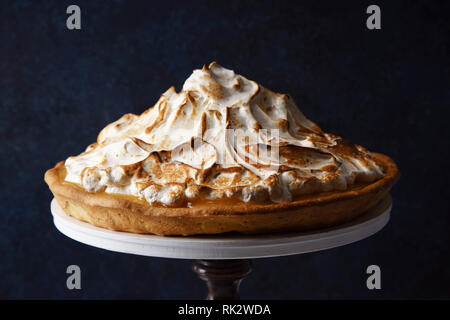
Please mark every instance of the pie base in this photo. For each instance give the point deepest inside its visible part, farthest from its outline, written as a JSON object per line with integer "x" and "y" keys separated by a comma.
{"x": 121, "y": 213}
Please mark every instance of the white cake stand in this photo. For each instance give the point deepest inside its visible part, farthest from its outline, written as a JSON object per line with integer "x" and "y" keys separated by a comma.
{"x": 220, "y": 257}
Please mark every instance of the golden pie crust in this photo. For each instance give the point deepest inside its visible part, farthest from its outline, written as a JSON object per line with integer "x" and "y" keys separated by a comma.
{"x": 126, "y": 213}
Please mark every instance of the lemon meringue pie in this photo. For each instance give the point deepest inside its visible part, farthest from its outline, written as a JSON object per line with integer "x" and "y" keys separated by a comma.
{"x": 223, "y": 154}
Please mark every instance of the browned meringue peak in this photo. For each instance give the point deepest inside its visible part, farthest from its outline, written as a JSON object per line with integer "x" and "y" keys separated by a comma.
{"x": 221, "y": 136}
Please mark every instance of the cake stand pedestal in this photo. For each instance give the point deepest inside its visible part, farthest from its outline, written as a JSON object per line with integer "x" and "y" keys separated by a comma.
{"x": 223, "y": 260}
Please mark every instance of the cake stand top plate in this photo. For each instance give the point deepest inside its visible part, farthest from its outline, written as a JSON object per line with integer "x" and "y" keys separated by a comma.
{"x": 228, "y": 246}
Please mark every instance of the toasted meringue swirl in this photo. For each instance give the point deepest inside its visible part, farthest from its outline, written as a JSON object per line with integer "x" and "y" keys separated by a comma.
{"x": 186, "y": 147}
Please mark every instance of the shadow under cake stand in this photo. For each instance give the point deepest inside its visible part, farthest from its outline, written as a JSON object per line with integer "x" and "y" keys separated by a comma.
{"x": 223, "y": 260}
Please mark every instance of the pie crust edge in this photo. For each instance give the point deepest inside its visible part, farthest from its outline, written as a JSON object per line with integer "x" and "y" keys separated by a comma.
{"x": 120, "y": 214}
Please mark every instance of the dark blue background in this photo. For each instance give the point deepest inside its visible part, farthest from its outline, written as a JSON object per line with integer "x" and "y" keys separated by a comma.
{"x": 387, "y": 90}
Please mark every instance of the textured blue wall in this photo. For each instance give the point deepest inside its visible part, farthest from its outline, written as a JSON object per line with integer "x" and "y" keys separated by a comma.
{"x": 387, "y": 90}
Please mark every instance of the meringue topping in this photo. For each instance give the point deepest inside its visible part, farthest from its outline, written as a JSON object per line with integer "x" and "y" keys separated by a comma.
{"x": 221, "y": 136}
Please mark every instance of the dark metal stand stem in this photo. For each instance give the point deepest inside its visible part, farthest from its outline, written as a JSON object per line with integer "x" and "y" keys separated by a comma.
{"x": 222, "y": 277}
